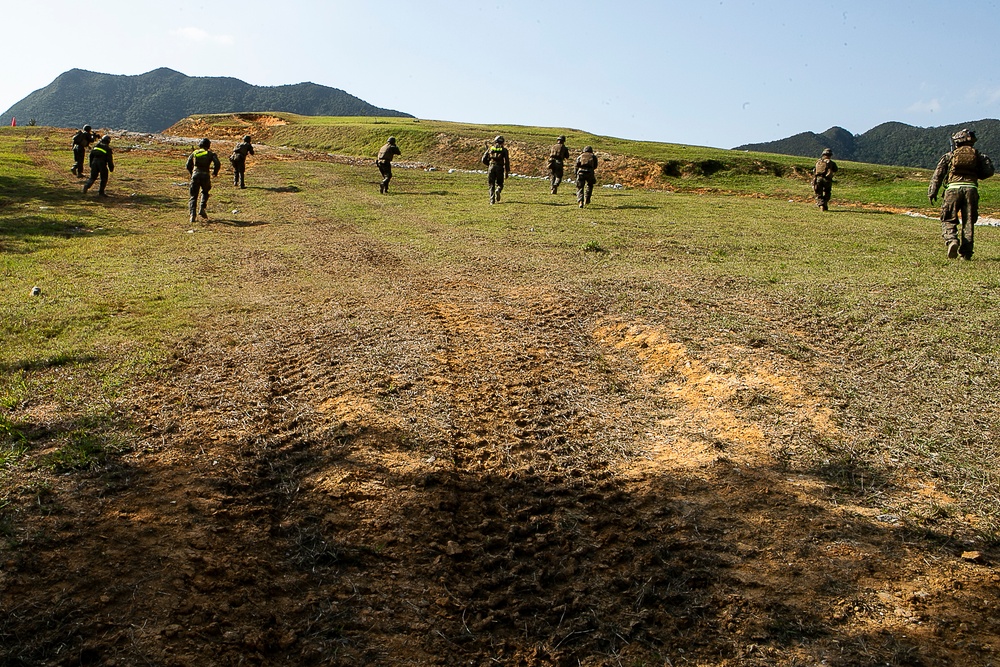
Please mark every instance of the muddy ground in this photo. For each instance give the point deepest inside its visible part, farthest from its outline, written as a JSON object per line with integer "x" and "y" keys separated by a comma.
{"x": 465, "y": 466}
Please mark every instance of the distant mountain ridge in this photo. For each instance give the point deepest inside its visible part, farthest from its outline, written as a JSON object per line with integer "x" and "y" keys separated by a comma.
{"x": 890, "y": 143}
{"x": 154, "y": 101}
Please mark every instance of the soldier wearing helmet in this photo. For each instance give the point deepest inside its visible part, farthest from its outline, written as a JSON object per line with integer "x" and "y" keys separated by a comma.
{"x": 585, "y": 166}
{"x": 384, "y": 163}
{"x": 238, "y": 159}
{"x": 101, "y": 163}
{"x": 81, "y": 141}
{"x": 202, "y": 164}
{"x": 557, "y": 154}
{"x": 497, "y": 159}
{"x": 822, "y": 179}
{"x": 960, "y": 171}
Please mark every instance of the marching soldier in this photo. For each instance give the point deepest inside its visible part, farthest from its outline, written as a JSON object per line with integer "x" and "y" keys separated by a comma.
{"x": 101, "y": 162}
{"x": 239, "y": 161}
{"x": 203, "y": 164}
{"x": 384, "y": 163}
{"x": 960, "y": 171}
{"x": 557, "y": 154}
{"x": 497, "y": 159}
{"x": 81, "y": 141}
{"x": 585, "y": 166}
{"x": 823, "y": 178}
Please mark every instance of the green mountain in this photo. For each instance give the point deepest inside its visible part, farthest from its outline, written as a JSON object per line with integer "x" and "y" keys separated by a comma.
{"x": 892, "y": 143}
{"x": 154, "y": 101}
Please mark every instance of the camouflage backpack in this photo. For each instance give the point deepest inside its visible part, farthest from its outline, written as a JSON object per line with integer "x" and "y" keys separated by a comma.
{"x": 964, "y": 163}
{"x": 822, "y": 169}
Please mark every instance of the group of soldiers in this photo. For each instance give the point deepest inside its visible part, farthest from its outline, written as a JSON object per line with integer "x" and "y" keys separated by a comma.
{"x": 497, "y": 160}
{"x": 202, "y": 165}
{"x": 958, "y": 170}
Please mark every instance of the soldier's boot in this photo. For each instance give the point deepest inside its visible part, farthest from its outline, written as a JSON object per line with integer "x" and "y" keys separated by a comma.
{"x": 86, "y": 186}
{"x": 72, "y": 170}
{"x": 952, "y": 249}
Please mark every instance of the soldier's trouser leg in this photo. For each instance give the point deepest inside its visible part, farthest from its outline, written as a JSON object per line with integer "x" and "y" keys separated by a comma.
{"x": 386, "y": 171}
{"x": 104, "y": 179}
{"x": 496, "y": 182}
{"x": 90, "y": 181}
{"x": 958, "y": 202}
{"x": 555, "y": 178}
{"x": 78, "y": 161}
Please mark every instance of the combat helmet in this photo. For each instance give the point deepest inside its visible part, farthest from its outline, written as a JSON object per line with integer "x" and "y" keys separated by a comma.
{"x": 391, "y": 140}
{"x": 106, "y": 139}
{"x": 827, "y": 151}
{"x": 205, "y": 143}
{"x": 87, "y": 128}
{"x": 963, "y": 137}
{"x": 588, "y": 149}
{"x": 498, "y": 139}
{"x": 246, "y": 139}
{"x": 561, "y": 139}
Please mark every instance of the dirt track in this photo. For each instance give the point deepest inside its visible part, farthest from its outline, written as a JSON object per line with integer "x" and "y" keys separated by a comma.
{"x": 472, "y": 466}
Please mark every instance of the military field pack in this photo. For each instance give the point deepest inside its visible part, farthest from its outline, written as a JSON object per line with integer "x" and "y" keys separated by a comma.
{"x": 965, "y": 163}
{"x": 588, "y": 161}
{"x": 822, "y": 169}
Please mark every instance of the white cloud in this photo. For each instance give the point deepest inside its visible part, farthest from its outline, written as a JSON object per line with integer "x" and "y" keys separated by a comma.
{"x": 198, "y": 35}
{"x": 984, "y": 96}
{"x": 925, "y": 106}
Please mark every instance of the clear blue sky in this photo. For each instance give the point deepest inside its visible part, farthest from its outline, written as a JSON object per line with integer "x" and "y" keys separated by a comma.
{"x": 714, "y": 73}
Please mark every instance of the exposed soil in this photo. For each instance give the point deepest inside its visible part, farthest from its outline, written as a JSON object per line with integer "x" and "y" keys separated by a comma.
{"x": 460, "y": 467}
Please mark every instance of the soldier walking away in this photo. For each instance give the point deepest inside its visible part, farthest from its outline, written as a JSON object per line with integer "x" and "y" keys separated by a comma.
{"x": 101, "y": 163}
{"x": 960, "y": 170}
{"x": 497, "y": 159}
{"x": 384, "y": 163}
{"x": 823, "y": 179}
{"x": 203, "y": 164}
{"x": 81, "y": 141}
{"x": 239, "y": 161}
{"x": 557, "y": 154}
{"x": 585, "y": 179}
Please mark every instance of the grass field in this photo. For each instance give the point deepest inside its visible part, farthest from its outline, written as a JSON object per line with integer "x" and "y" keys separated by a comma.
{"x": 711, "y": 361}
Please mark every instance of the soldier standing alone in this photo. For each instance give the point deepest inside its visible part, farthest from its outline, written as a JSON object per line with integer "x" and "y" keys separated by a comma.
{"x": 497, "y": 159}
{"x": 557, "y": 154}
{"x": 384, "y": 163}
{"x": 823, "y": 178}
{"x": 585, "y": 166}
{"x": 81, "y": 140}
{"x": 239, "y": 161}
{"x": 960, "y": 170}
{"x": 202, "y": 165}
{"x": 101, "y": 162}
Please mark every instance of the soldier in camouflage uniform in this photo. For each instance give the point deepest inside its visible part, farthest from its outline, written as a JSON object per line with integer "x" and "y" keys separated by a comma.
{"x": 557, "y": 154}
{"x": 497, "y": 159}
{"x": 81, "y": 141}
{"x": 823, "y": 178}
{"x": 101, "y": 163}
{"x": 384, "y": 163}
{"x": 960, "y": 170}
{"x": 239, "y": 161}
{"x": 585, "y": 178}
{"x": 203, "y": 164}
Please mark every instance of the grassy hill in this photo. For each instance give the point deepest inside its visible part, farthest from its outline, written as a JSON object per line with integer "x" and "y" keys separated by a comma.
{"x": 672, "y": 167}
{"x": 695, "y": 423}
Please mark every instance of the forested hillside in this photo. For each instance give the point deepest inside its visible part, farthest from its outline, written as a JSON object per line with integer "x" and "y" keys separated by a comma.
{"x": 154, "y": 101}
{"x": 889, "y": 143}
